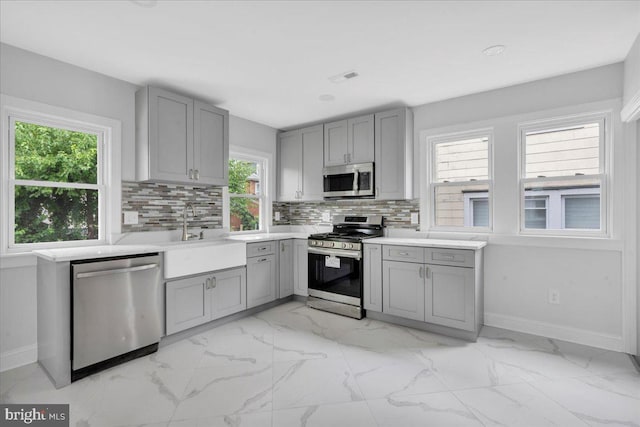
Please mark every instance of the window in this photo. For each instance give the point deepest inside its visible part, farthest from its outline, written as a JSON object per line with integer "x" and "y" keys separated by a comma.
{"x": 562, "y": 175}
{"x": 56, "y": 190}
{"x": 461, "y": 180}
{"x": 246, "y": 198}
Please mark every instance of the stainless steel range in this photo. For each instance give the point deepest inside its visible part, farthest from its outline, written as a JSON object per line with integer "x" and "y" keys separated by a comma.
{"x": 335, "y": 264}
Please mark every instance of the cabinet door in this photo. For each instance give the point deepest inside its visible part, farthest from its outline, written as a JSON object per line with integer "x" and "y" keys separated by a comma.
{"x": 394, "y": 155}
{"x": 336, "y": 145}
{"x": 450, "y": 296}
{"x": 211, "y": 144}
{"x": 188, "y": 303}
{"x": 286, "y": 268}
{"x": 300, "y": 268}
{"x": 312, "y": 180}
{"x": 261, "y": 280}
{"x": 403, "y": 289}
{"x": 361, "y": 140}
{"x": 228, "y": 292}
{"x": 289, "y": 165}
{"x": 170, "y": 136}
{"x": 372, "y": 277}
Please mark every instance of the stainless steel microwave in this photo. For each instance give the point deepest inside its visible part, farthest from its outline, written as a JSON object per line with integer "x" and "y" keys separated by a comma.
{"x": 348, "y": 181}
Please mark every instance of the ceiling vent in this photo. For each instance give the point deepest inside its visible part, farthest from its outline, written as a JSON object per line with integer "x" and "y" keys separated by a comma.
{"x": 343, "y": 77}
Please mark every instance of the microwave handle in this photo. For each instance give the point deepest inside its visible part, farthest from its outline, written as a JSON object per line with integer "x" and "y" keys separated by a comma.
{"x": 356, "y": 180}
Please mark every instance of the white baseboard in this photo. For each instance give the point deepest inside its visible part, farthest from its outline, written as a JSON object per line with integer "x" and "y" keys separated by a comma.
{"x": 549, "y": 330}
{"x": 18, "y": 357}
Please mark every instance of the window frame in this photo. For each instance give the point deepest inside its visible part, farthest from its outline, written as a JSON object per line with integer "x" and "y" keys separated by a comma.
{"x": 262, "y": 197}
{"x": 109, "y": 173}
{"x": 558, "y": 123}
{"x": 432, "y": 142}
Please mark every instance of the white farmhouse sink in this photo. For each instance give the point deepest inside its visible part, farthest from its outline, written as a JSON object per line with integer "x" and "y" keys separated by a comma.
{"x": 201, "y": 256}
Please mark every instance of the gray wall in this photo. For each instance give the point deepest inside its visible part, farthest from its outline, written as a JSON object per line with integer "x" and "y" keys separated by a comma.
{"x": 632, "y": 72}
{"x": 26, "y": 75}
{"x": 520, "y": 270}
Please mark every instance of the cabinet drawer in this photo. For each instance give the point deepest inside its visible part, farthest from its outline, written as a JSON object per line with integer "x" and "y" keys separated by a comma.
{"x": 262, "y": 248}
{"x": 403, "y": 253}
{"x": 456, "y": 257}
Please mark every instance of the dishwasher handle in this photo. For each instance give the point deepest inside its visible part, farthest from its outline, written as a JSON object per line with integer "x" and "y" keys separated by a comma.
{"x": 116, "y": 271}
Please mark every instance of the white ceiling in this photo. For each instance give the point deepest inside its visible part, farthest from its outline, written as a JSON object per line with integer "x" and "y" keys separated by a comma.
{"x": 269, "y": 61}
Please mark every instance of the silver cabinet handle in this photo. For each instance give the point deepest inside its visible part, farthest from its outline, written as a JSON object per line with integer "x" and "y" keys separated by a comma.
{"x": 214, "y": 282}
{"x": 403, "y": 253}
{"x": 420, "y": 272}
{"x": 262, "y": 259}
{"x": 349, "y": 157}
{"x": 264, "y": 248}
{"x": 207, "y": 283}
{"x": 197, "y": 174}
{"x": 428, "y": 272}
{"x": 344, "y": 158}
{"x": 282, "y": 246}
{"x": 190, "y": 173}
{"x": 116, "y": 271}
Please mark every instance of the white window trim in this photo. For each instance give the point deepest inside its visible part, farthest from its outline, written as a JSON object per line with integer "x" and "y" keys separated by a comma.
{"x": 265, "y": 196}
{"x": 606, "y": 142}
{"x": 109, "y": 164}
{"x": 431, "y": 143}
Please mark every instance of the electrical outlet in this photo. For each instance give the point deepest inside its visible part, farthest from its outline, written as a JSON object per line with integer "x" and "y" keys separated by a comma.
{"x": 414, "y": 218}
{"x": 554, "y": 296}
{"x": 130, "y": 217}
{"x": 326, "y": 216}
{"x": 277, "y": 216}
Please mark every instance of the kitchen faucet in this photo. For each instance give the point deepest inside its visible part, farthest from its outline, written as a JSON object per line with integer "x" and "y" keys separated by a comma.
{"x": 185, "y": 233}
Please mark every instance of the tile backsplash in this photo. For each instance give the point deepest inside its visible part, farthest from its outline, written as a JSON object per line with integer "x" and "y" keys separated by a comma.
{"x": 396, "y": 213}
{"x": 160, "y": 206}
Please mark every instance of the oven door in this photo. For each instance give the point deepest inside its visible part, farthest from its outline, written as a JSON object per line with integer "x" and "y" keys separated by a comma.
{"x": 336, "y": 275}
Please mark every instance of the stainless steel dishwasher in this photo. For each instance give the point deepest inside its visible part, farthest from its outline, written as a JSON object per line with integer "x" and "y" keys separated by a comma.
{"x": 118, "y": 311}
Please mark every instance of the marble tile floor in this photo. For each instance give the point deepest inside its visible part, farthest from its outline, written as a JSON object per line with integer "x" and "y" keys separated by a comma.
{"x": 295, "y": 366}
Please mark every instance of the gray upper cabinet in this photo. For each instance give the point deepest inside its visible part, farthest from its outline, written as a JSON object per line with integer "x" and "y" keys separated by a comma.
{"x": 289, "y": 165}
{"x": 179, "y": 139}
{"x": 335, "y": 143}
{"x": 349, "y": 141}
{"x": 394, "y": 154}
{"x": 211, "y": 144}
{"x": 300, "y": 165}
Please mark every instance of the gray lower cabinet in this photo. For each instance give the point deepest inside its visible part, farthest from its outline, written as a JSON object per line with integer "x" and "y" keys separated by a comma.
{"x": 285, "y": 273}
{"x": 261, "y": 280}
{"x": 450, "y": 296}
{"x": 300, "y": 267}
{"x": 434, "y": 285}
{"x": 228, "y": 290}
{"x": 403, "y": 289}
{"x": 195, "y": 300}
{"x": 372, "y": 274}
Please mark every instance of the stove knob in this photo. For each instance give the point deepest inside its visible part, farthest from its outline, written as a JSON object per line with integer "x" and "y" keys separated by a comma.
{"x": 313, "y": 243}
{"x": 348, "y": 245}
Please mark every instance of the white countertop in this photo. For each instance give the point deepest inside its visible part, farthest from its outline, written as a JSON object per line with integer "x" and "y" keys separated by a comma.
{"x": 90, "y": 252}
{"x": 433, "y": 243}
{"x": 264, "y": 237}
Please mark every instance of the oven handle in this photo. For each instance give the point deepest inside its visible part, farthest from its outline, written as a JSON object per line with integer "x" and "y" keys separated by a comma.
{"x": 336, "y": 252}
